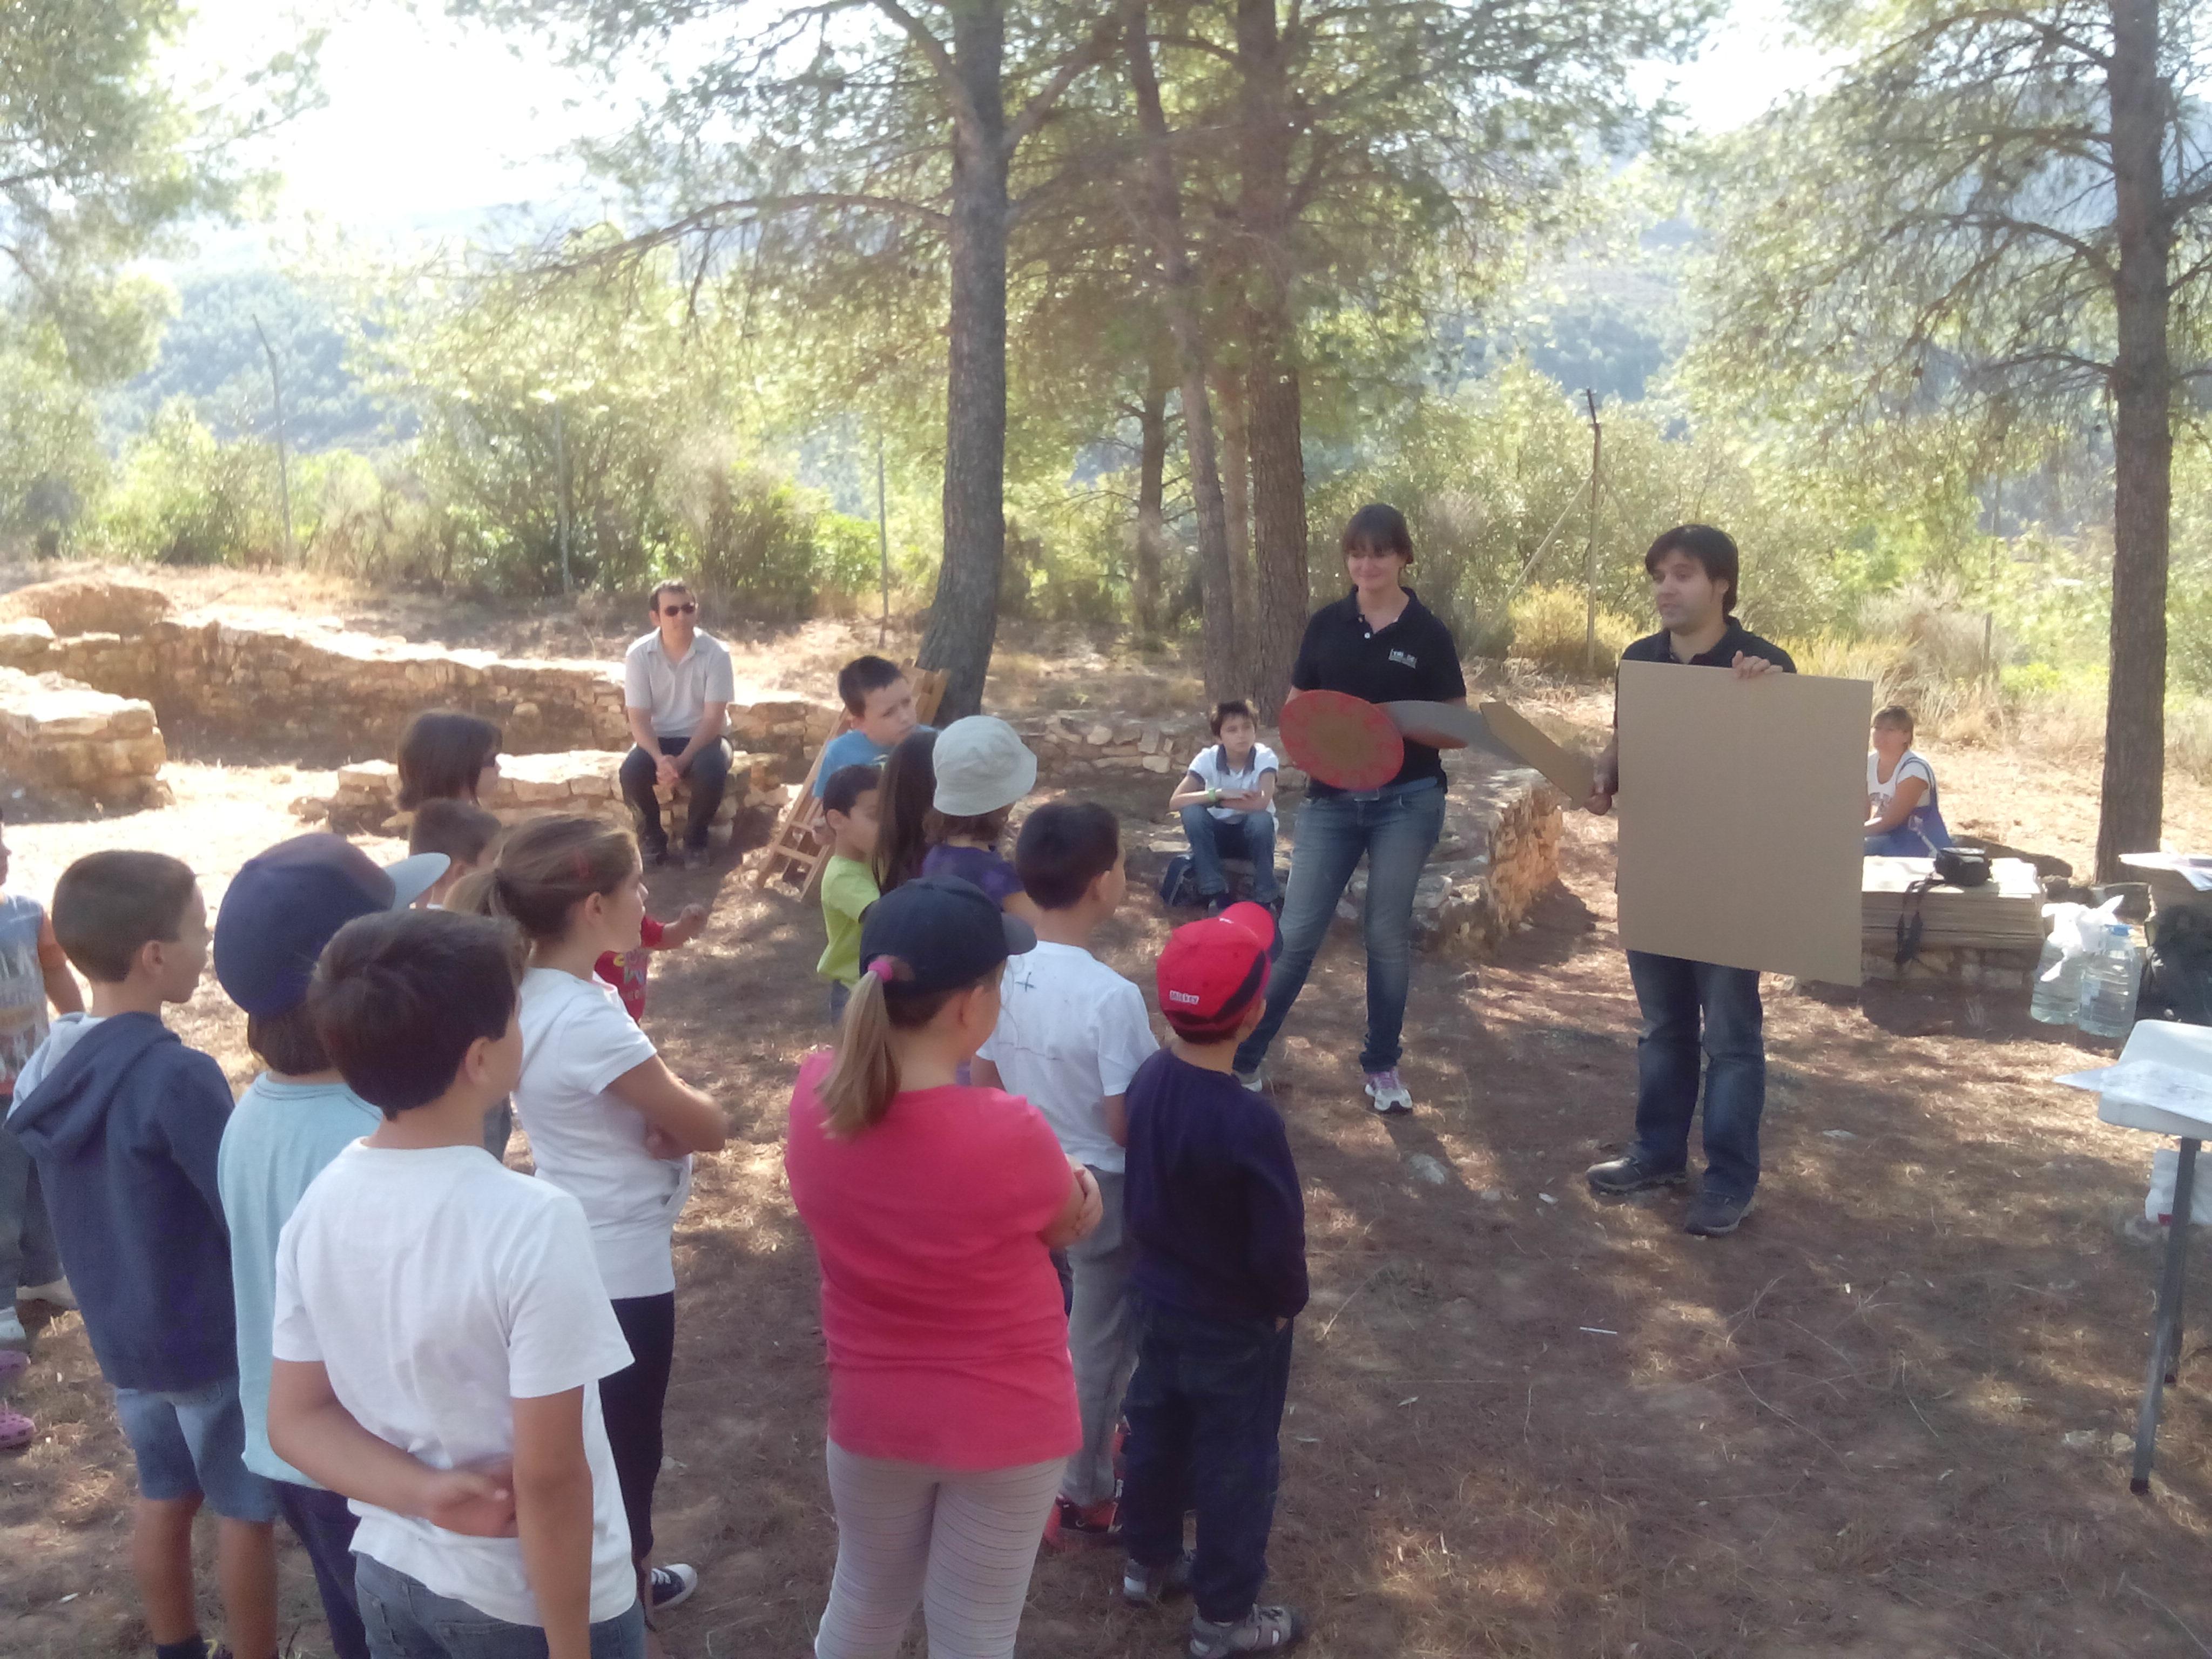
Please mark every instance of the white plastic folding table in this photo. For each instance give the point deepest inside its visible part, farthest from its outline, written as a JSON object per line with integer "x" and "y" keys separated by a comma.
{"x": 2162, "y": 1085}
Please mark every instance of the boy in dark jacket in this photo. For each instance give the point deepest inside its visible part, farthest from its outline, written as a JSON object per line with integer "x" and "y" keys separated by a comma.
{"x": 1213, "y": 1204}
{"x": 124, "y": 1122}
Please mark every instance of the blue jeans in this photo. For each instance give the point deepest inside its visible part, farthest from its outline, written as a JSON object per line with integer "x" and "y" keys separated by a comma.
{"x": 1212, "y": 840}
{"x": 1206, "y": 1414}
{"x": 28, "y": 1252}
{"x": 1395, "y": 830}
{"x": 324, "y": 1523}
{"x": 1689, "y": 1006}
{"x": 407, "y": 1621}
{"x": 709, "y": 773}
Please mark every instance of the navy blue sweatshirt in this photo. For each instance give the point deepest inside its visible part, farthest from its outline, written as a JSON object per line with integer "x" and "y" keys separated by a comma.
{"x": 1210, "y": 1196}
{"x": 124, "y": 1129}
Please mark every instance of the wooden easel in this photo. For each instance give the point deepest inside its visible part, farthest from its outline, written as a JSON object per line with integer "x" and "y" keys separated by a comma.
{"x": 798, "y": 848}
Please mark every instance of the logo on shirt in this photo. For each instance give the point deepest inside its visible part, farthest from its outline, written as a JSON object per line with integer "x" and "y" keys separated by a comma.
{"x": 1405, "y": 657}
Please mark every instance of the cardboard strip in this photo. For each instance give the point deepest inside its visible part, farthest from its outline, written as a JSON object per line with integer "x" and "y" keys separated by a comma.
{"x": 1498, "y": 730}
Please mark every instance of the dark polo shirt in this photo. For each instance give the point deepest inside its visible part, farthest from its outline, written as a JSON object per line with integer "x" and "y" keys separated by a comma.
{"x": 1414, "y": 660}
{"x": 1660, "y": 647}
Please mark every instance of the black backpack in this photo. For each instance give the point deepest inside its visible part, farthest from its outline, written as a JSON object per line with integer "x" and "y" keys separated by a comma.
{"x": 1179, "y": 884}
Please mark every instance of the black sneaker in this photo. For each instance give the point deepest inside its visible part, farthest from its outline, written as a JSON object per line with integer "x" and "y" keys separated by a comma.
{"x": 1213, "y": 903}
{"x": 1716, "y": 1215}
{"x": 1630, "y": 1174}
{"x": 672, "y": 1587}
{"x": 653, "y": 857}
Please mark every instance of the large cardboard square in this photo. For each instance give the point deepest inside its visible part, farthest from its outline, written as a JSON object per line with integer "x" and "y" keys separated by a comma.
{"x": 1742, "y": 804}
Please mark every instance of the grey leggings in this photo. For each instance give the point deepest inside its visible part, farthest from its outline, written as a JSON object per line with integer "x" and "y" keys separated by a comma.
{"x": 962, "y": 1543}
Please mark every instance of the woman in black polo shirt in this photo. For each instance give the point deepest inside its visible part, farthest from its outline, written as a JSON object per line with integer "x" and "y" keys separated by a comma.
{"x": 1380, "y": 643}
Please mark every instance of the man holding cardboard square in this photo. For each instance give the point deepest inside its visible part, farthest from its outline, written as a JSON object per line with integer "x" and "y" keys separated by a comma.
{"x": 1690, "y": 1006}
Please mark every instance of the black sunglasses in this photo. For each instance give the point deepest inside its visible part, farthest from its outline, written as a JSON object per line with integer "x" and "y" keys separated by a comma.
{"x": 684, "y": 609}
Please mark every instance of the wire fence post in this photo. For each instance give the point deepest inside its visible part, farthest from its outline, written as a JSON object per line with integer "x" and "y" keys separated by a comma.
{"x": 1589, "y": 549}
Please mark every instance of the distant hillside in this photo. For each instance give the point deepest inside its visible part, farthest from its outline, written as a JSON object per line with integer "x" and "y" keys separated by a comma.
{"x": 212, "y": 354}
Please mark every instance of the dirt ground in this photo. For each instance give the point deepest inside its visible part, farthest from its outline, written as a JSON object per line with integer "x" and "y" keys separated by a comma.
{"x": 1523, "y": 1422}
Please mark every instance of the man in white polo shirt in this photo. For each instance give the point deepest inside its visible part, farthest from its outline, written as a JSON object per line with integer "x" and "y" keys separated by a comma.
{"x": 677, "y": 688}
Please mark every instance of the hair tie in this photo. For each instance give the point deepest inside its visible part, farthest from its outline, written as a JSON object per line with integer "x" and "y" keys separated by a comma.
{"x": 885, "y": 968}
{"x": 583, "y": 866}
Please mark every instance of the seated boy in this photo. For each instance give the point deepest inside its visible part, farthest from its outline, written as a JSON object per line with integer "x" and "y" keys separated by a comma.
{"x": 440, "y": 1325}
{"x": 849, "y": 880}
{"x": 464, "y": 832}
{"x": 1072, "y": 1032}
{"x": 878, "y": 700}
{"x": 124, "y": 1122}
{"x": 1227, "y": 802}
{"x": 279, "y": 912}
{"x": 1214, "y": 1207}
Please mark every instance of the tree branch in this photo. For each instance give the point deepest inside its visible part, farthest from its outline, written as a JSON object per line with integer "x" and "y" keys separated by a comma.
{"x": 963, "y": 107}
{"x": 1091, "y": 53}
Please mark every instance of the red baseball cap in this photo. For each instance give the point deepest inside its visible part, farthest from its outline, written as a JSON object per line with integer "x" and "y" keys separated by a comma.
{"x": 1212, "y": 971}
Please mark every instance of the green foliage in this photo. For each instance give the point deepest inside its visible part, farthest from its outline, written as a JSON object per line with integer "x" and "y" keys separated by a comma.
{"x": 101, "y": 153}
{"x": 1550, "y": 629}
{"x": 185, "y": 497}
{"x": 211, "y": 352}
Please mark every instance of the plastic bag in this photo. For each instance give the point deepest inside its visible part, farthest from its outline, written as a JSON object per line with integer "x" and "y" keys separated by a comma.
{"x": 2165, "y": 1165}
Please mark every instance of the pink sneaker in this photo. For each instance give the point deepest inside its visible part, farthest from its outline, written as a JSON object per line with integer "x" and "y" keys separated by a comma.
{"x": 1386, "y": 1096}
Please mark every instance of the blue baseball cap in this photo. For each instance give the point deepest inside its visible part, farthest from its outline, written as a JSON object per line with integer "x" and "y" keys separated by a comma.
{"x": 284, "y": 906}
{"x": 939, "y": 934}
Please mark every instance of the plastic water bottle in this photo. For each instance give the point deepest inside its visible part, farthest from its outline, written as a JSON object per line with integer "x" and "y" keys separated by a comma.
{"x": 2109, "y": 977}
{"x": 2058, "y": 994}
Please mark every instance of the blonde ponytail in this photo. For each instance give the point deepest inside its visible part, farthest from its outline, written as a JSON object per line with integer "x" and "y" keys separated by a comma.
{"x": 861, "y": 1085}
{"x": 864, "y": 1080}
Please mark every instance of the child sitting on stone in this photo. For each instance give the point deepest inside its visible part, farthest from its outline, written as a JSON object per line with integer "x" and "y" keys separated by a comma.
{"x": 1227, "y": 802}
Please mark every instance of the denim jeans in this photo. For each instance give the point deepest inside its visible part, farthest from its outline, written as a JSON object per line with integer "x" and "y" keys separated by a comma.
{"x": 406, "y": 1621}
{"x": 1395, "y": 830}
{"x": 1212, "y": 840}
{"x": 1688, "y": 1006}
{"x": 709, "y": 773}
{"x": 27, "y": 1252}
{"x": 1205, "y": 1413}
{"x": 324, "y": 1523}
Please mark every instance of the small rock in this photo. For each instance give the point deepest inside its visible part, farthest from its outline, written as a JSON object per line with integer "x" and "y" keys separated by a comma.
{"x": 1548, "y": 1198}
{"x": 2080, "y": 1439}
{"x": 1492, "y": 1194}
{"x": 1428, "y": 1169}
{"x": 2120, "y": 1445}
{"x": 1838, "y": 1134}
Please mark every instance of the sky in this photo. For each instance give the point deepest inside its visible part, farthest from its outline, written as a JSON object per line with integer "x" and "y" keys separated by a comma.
{"x": 425, "y": 119}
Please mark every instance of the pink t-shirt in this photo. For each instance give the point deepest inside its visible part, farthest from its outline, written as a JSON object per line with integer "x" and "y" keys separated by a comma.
{"x": 948, "y": 1346}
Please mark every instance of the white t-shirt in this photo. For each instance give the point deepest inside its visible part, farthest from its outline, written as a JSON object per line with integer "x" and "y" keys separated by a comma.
{"x": 576, "y": 1039}
{"x": 676, "y": 693}
{"x": 1071, "y": 1032}
{"x": 436, "y": 1288}
{"x": 1911, "y": 764}
{"x": 1211, "y": 770}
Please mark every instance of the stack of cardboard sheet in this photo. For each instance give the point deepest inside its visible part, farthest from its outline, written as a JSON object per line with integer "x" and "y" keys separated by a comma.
{"x": 2005, "y": 912}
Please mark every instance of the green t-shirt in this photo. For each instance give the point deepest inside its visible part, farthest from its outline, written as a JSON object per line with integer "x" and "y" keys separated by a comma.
{"x": 847, "y": 888}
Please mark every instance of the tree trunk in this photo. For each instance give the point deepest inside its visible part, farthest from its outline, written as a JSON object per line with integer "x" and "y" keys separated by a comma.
{"x": 1179, "y": 289}
{"x": 963, "y": 617}
{"x": 1151, "y": 518}
{"x": 1237, "y": 502}
{"x": 1279, "y": 475}
{"x": 2131, "y": 815}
